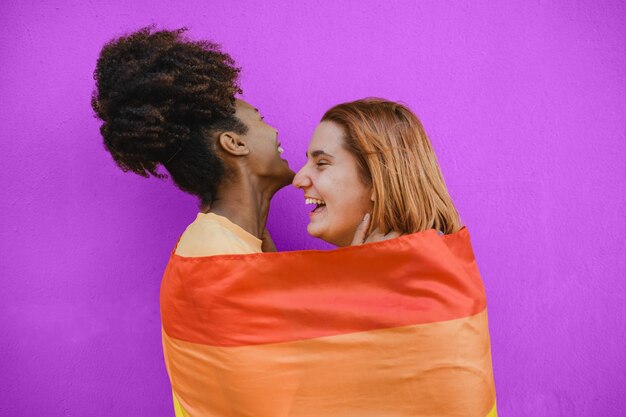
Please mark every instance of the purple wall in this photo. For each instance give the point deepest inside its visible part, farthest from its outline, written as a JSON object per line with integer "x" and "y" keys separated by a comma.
{"x": 525, "y": 105}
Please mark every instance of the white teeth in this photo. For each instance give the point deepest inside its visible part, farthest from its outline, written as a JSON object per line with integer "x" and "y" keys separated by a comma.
{"x": 313, "y": 201}
{"x": 280, "y": 149}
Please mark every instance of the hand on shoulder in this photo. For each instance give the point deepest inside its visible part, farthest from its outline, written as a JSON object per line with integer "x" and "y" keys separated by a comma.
{"x": 361, "y": 236}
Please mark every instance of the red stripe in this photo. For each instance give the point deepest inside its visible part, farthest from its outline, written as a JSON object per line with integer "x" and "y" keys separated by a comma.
{"x": 236, "y": 300}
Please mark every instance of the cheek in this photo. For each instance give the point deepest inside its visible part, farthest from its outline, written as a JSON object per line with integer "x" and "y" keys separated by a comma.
{"x": 313, "y": 229}
{"x": 351, "y": 193}
{"x": 350, "y": 203}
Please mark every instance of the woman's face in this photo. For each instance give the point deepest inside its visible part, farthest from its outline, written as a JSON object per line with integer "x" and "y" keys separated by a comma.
{"x": 331, "y": 182}
{"x": 265, "y": 149}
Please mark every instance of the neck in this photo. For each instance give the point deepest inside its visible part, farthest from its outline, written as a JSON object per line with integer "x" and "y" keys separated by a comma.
{"x": 244, "y": 202}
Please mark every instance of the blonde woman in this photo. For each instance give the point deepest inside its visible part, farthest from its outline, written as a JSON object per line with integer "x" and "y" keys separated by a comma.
{"x": 372, "y": 174}
{"x": 373, "y": 156}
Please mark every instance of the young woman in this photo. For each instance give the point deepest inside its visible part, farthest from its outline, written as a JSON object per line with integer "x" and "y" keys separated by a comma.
{"x": 372, "y": 175}
{"x": 169, "y": 102}
{"x": 373, "y": 156}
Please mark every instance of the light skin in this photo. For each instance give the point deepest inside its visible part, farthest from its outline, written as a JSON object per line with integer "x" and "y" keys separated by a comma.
{"x": 331, "y": 175}
{"x": 258, "y": 173}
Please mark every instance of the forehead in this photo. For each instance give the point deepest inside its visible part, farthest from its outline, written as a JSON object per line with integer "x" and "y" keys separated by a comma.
{"x": 328, "y": 136}
{"x": 244, "y": 109}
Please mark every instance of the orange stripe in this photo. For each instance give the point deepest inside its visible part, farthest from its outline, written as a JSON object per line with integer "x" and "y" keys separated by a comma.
{"x": 237, "y": 300}
{"x": 438, "y": 369}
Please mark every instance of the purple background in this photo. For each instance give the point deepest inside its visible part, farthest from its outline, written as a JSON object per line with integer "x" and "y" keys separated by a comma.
{"x": 524, "y": 103}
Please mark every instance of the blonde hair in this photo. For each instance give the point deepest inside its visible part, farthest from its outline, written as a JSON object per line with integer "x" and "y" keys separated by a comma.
{"x": 396, "y": 157}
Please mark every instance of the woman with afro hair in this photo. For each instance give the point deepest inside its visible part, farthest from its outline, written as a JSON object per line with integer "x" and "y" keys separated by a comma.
{"x": 166, "y": 101}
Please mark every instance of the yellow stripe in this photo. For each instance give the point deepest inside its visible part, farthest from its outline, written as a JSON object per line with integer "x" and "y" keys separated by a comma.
{"x": 436, "y": 369}
{"x": 179, "y": 411}
{"x": 493, "y": 412}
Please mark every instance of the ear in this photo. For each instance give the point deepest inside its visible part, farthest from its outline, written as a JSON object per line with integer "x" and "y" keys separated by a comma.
{"x": 373, "y": 196}
{"x": 233, "y": 144}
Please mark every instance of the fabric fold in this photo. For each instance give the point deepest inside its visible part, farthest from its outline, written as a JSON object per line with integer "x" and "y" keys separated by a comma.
{"x": 394, "y": 328}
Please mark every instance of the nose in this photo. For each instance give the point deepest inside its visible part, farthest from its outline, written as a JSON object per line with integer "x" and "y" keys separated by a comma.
{"x": 301, "y": 180}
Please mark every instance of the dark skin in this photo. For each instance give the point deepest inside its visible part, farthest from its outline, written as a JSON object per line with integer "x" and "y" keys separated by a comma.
{"x": 258, "y": 173}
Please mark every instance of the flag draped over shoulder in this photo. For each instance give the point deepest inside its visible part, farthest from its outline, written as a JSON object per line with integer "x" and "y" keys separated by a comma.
{"x": 395, "y": 328}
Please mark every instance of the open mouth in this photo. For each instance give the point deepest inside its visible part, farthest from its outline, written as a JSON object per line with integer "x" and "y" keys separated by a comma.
{"x": 280, "y": 148}
{"x": 319, "y": 204}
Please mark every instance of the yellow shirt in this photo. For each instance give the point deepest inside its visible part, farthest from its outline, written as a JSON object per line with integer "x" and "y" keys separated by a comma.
{"x": 211, "y": 234}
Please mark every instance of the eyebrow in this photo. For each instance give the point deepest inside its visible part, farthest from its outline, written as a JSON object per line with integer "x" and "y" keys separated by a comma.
{"x": 317, "y": 153}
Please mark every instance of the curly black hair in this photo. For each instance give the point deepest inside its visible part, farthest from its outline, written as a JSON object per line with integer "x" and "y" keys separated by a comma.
{"x": 162, "y": 99}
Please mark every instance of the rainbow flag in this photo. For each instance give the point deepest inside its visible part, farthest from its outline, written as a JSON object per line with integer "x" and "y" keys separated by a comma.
{"x": 395, "y": 328}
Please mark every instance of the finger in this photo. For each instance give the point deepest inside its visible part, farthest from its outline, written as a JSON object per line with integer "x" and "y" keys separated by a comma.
{"x": 375, "y": 236}
{"x": 392, "y": 235}
{"x": 378, "y": 236}
{"x": 361, "y": 231}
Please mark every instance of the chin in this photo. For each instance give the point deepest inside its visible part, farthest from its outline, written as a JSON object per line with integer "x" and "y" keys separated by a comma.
{"x": 312, "y": 232}
{"x": 283, "y": 180}
{"x": 320, "y": 235}
{"x": 287, "y": 179}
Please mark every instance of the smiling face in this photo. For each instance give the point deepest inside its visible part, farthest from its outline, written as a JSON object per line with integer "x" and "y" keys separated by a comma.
{"x": 331, "y": 180}
{"x": 264, "y": 158}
